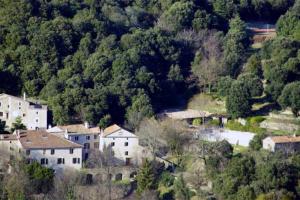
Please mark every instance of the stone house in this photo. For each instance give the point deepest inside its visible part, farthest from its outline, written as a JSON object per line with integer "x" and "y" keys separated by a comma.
{"x": 33, "y": 115}
{"x": 123, "y": 144}
{"x": 46, "y": 148}
{"x": 81, "y": 134}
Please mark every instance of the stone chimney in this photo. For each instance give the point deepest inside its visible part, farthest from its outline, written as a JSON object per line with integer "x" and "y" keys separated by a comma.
{"x": 86, "y": 124}
{"x": 24, "y": 96}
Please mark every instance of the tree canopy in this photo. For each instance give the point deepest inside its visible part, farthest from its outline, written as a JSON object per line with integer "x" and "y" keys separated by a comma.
{"x": 124, "y": 59}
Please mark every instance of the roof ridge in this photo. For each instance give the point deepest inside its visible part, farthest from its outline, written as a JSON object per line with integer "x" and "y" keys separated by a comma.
{"x": 53, "y": 141}
{"x": 65, "y": 139}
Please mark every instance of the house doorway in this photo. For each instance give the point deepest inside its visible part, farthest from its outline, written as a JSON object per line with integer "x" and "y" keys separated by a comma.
{"x": 128, "y": 161}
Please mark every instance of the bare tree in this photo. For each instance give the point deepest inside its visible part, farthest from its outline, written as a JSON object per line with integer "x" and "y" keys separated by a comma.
{"x": 149, "y": 195}
{"x": 207, "y": 65}
{"x": 177, "y": 136}
{"x": 150, "y": 133}
{"x": 107, "y": 161}
{"x": 65, "y": 185}
{"x": 95, "y": 159}
{"x": 99, "y": 191}
{"x": 16, "y": 181}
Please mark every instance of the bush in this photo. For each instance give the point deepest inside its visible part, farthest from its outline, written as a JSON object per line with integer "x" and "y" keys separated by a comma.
{"x": 214, "y": 122}
{"x": 234, "y": 125}
{"x": 166, "y": 193}
{"x": 256, "y": 142}
{"x": 255, "y": 120}
{"x": 223, "y": 85}
{"x": 197, "y": 122}
{"x": 252, "y": 125}
{"x": 41, "y": 178}
{"x": 166, "y": 179}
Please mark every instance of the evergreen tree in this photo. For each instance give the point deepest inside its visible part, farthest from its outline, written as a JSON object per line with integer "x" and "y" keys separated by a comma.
{"x": 145, "y": 177}
{"x": 181, "y": 190}
{"x": 290, "y": 97}
{"x": 252, "y": 84}
{"x": 236, "y": 42}
{"x": 256, "y": 142}
{"x": 238, "y": 101}
{"x": 18, "y": 125}
{"x": 224, "y": 85}
{"x": 105, "y": 121}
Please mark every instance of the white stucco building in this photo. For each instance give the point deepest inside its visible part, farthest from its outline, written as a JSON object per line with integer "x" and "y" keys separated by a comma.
{"x": 284, "y": 143}
{"x": 33, "y": 115}
{"x": 81, "y": 134}
{"x": 124, "y": 144}
{"x": 46, "y": 148}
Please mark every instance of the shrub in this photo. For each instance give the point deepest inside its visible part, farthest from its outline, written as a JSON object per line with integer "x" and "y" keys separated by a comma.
{"x": 166, "y": 179}
{"x": 256, "y": 142}
{"x": 214, "y": 122}
{"x": 234, "y": 125}
{"x": 252, "y": 125}
{"x": 197, "y": 122}
{"x": 255, "y": 120}
{"x": 223, "y": 85}
{"x": 41, "y": 178}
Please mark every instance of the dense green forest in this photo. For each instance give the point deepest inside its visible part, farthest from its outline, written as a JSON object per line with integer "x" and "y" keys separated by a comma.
{"x": 122, "y": 60}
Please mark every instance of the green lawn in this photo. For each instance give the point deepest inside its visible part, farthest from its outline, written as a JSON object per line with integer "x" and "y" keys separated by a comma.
{"x": 206, "y": 102}
{"x": 257, "y": 45}
{"x": 239, "y": 149}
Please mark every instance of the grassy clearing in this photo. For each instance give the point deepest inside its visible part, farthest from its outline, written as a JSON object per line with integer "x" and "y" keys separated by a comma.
{"x": 252, "y": 125}
{"x": 282, "y": 123}
{"x": 286, "y": 121}
{"x": 257, "y": 45}
{"x": 283, "y": 132}
{"x": 239, "y": 149}
{"x": 209, "y": 103}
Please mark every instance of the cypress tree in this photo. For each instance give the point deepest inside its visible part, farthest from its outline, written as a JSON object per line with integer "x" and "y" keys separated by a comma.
{"x": 145, "y": 177}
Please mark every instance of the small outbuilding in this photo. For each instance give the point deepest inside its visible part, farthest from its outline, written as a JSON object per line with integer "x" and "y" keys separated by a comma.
{"x": 288, "y": 144}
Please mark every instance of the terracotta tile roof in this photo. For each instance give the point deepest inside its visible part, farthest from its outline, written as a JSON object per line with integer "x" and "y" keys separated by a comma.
{"x": 111, "y": 129}
{"x": 285, "y": 139}
{"x": 80, "y": 129}
{"x": 44, "y": 140}
{"x": 8, "y": 137}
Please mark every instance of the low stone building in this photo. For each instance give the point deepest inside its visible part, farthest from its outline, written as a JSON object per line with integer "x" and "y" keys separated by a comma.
{"x": 287, "y": 144}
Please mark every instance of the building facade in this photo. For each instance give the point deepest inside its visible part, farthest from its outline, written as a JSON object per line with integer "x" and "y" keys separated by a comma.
{"x": 123, "y": 144}
{"x": 81, "y": 134}
{"x": 33, "y": 115}
{"x": 287, "y": 144}
{"x": 46, "y": 148}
